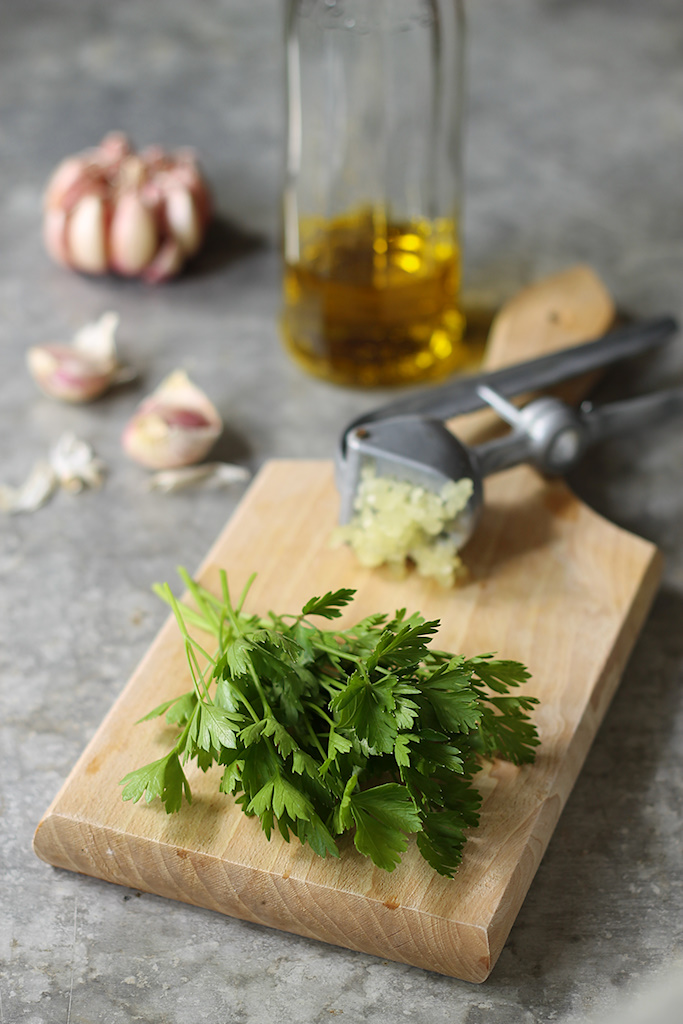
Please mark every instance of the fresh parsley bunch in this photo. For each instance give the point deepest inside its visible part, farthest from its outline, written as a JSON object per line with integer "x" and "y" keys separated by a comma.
{"x": 322, "y": 731}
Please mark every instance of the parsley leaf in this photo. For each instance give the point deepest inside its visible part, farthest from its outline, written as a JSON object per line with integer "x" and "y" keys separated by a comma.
{"x": 365, "y": 707}
{"x": 382, "y": 816}
{"x": 330, "y": 605}
{"x": 163, "y": 778}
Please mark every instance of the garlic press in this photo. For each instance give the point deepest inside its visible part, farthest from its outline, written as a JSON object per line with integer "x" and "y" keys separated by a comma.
{"x": 409, "y": 440}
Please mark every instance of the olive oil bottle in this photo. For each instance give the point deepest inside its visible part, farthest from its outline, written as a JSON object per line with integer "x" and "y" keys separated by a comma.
{"x": 372, "y": 197}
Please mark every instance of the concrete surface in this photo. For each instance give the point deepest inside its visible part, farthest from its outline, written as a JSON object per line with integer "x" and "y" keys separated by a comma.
{"x": 575, "y": 150}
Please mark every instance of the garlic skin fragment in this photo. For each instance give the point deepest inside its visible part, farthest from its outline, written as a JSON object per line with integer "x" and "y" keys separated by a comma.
{"x": 35, "y": 491}
{"x": 75, "y": 464}
{"x": 136, "y": 214}
{"x": 83, "y": 370}
{"x": 72, "y": 466}
{"x": 209, "y": 476}
{"x": 175, "y": 426}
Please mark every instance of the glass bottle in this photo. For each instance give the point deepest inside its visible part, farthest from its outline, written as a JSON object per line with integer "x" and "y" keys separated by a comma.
{"x": 372, "y": 192}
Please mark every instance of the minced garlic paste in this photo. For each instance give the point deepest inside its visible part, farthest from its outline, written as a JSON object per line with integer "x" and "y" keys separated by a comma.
{"x": 395, "y": 521}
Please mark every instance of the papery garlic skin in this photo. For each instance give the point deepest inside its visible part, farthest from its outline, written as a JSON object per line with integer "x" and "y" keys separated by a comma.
{"x": 35, "y": 491}
{"x": 75, "y": 464}
{"x": 84, "y": 370}
{"x": 111, "y": 209}
{"x": 209, "y": 476}
{"x": 72, "y": 466}
{"x": 174, "y": 426}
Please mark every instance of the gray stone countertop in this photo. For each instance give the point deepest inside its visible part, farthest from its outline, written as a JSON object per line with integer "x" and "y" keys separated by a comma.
{"x": 574, "y": 153}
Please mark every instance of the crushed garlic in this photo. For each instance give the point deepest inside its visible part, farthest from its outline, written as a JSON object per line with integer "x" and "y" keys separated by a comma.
{"x": 396, "y": 521}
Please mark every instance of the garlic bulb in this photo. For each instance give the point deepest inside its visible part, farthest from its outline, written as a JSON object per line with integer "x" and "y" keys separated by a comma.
{"x": 111, "y": 209}
{"x": 174, "y": 426}
{"x": 83, "y": 370}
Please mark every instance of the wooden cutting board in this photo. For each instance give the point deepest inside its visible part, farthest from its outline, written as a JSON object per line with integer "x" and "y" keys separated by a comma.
{"x": 552, "y": 584}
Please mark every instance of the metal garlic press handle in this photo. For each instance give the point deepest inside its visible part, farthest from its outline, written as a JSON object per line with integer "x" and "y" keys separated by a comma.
{"x": 632, "y": 413}
{"x": 552, "y": 436}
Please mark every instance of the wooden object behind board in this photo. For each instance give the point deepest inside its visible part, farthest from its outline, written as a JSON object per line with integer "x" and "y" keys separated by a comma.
{"x": 552, "y": 585}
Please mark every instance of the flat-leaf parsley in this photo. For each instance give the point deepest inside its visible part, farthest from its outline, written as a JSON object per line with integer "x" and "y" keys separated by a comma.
{"x": 323, "y": 731}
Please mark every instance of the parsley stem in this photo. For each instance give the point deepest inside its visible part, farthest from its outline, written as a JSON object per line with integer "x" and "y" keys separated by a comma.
{"x": 192, "y": 670}
{"x": 202, "y": 675}
{"x": 319, "y": 712}
{"x": 226, "y": 591}
{"x": 246, "y": 703}
{"x": 339, "y": 652}
{"x": 182, "y": 739}
{"x": 230, "y": 611}
{"x": 312, "y": 733}
{"x": 334, "y": 686}
{"x": 245, "y": 591}
{"x": 183, "y": 628}
{"x": 267, "y": 710}
{"x": 205, "y": 654}
{"x": 200, "y": 600}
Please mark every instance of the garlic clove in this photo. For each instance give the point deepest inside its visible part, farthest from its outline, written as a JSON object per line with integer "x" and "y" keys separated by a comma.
{"x": 133, "y": 237}
{"x": 187, "y": 173}
{"x": 179, "y": 392}
{"x": 183, "y": 220}
{"x": 54, "y": 236}
{"x": 97, "y": 341}
{"x": 83, "y": 370}
{"x": 167, "y": 262}
{"x": 63, "y": 373}
{"x": 68, "y": 175}
{"x": 174, "y": 426}
{"x": 85, "y": 235}
{"x": 131, "y": 173}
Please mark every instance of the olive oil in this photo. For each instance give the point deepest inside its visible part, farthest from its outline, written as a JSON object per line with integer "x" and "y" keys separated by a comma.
{"x": 371, "y": 302}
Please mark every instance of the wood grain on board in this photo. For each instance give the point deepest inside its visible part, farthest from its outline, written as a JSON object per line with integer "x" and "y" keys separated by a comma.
{"x": 551, "y": 584}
